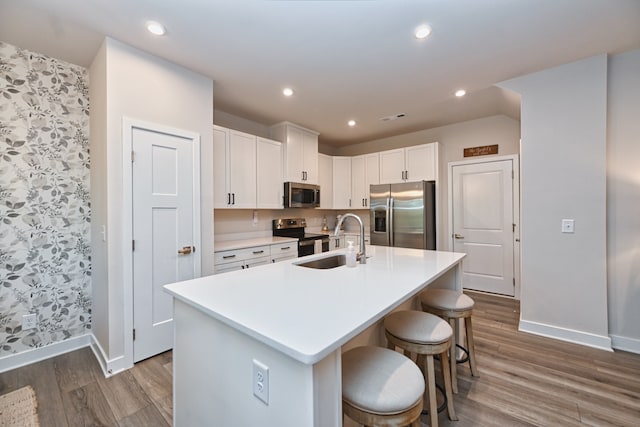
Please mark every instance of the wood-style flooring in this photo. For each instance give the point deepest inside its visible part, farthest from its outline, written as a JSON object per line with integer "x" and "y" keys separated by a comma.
{"x": 525, "y": 380}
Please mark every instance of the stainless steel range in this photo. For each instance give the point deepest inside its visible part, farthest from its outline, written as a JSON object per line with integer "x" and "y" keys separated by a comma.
{"x": 308, "y": 243}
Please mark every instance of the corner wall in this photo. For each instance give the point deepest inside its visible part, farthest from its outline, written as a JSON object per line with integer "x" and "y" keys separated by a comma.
{"x": 563, "y": 175}
{"x": 143, "y": 87}
{"x": 623, "y": 200}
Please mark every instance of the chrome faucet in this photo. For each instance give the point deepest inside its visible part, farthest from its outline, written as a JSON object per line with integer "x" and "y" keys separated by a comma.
{"x": 362, "y": 255}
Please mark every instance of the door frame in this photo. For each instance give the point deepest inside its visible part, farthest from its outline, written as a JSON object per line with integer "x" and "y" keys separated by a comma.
{"x": 516, "y": 207}
{"x": 128, "y": 125}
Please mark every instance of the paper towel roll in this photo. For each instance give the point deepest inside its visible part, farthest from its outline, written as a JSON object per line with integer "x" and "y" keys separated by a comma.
{"x": 317, "y": 248}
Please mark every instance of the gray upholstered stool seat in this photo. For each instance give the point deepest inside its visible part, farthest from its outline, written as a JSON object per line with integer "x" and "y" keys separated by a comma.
{"x": 381, "y": 387}
{"x": 445, "y": 299}
{"x": 426, "y": 335}
{"x": 452, "y": 305}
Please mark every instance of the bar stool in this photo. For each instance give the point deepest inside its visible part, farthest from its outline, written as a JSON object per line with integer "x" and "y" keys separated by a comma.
{"x": 425, "y": 335}
{"x": 453, "y": 305}
{"x": 381, "y": 387}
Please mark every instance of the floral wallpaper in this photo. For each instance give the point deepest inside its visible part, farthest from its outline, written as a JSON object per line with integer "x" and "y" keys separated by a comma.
{"x": 45, "y": 263}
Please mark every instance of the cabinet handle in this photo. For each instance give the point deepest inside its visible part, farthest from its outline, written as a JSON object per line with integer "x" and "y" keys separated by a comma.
{"x": 258, "y": 252}
{"x": 406, "y": 175}
{"x": 285, "y": 248}
{"x": 233, "y": 198}
{"x": 228, "y": 198}
{"x": 228, "y": 256}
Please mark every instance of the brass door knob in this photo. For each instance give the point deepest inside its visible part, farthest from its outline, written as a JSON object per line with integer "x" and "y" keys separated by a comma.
{"x": 185, "y": 250}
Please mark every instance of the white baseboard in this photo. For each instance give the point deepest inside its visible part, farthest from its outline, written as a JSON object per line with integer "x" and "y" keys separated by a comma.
{"x": 28, "y": 357}
{"x": 625, "y": 343}
{"x": 109, "y": 366}
{"x": 601, "y": 342}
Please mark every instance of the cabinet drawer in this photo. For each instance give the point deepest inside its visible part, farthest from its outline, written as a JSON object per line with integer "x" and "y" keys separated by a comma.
{"x": 240, "y": 254}
{"x": 281, "y": 250}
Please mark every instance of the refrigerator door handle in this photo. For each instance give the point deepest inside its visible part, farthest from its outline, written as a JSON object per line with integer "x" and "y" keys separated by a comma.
{"x": 390, "y": 215}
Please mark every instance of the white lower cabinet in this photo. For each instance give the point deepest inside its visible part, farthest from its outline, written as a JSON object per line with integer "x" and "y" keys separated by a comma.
{"x": 243, "y": 258}
{"x": 336, "y": 242}
{"x": 284, "y": 251}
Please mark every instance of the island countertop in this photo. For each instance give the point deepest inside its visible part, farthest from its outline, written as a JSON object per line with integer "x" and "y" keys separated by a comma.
{"x": 307, "y": 313}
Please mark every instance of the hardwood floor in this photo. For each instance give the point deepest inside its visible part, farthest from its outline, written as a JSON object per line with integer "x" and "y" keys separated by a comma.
{"x": 72, "y": 391}
{"x": 524, "y": 380}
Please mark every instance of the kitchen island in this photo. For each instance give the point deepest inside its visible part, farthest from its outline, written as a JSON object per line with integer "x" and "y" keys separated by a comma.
{"x": 294, "y": 321}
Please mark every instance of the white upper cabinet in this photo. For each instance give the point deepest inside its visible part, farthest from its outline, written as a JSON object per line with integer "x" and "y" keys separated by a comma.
{"x": 269, "y": 186}
{"x": 341, "y": 182}
{"x": 415, "y": 163}
{"x": 234, "y": 161}
{"x": 300, "y": 152}
{"x": 247, "y": 170}
{"x": 325, "y": 180}
{"x": 365, "y": 170}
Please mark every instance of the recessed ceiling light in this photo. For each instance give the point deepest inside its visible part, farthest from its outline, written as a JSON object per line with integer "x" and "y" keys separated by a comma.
{"x": 461, "y": 93}
{"x": 351, "y": 123}
{"x": 423, "y": 31}
{"x": 287, "y": 91}
{"x": 156, "y": 28}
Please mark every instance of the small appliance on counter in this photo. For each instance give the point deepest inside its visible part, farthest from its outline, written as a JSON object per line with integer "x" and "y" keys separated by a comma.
{"x": 308, "y": 243}
{"x": 324, "y": 224}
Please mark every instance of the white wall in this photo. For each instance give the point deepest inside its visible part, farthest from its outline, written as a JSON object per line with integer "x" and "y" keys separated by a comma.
{"x": 563, "y": 165}
{"x": 143, "y": 87}
{"x": 453, "y": 139}
{"x": 623, "y": 200}
{"x": 98, "y": 146}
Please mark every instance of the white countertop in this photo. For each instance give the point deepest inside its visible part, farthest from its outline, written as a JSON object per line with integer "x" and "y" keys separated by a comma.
{"x": 308, "y": 313}
{"x": 250, "y": 243}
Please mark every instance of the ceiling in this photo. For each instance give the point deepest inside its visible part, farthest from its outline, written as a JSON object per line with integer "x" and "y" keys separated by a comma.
{"x": 344, "y": 59}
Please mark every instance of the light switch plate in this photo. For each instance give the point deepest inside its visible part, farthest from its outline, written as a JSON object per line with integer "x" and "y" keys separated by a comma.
{"x": 567, "y": 226}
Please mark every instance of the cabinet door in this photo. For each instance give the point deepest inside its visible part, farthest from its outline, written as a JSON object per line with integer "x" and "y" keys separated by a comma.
{"x": 365, "y": 170}
{"x": 242, "y": 170}
{"x": 310, "y": 157}
{"x": 257, "y": 261}
{"x": 359, "y": 189}
{"x": 391, "y": 166}
{"x": 229, "y": 266}
{"x": 269, "y": 186}
{"x": 420, "y": 161}
{"x": 341, "y": 182}
{"x": 325, "y": 179}
{"x": 220, "y": 171}
{"x": 294, "y": 154}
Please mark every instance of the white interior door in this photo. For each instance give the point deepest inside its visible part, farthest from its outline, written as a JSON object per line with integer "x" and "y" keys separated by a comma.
{"x": 483, "y": 224}
{"x": 163, "y": 233}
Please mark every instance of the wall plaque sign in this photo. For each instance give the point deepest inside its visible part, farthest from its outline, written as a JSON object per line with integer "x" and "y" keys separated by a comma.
{"x": 481, "y": 151}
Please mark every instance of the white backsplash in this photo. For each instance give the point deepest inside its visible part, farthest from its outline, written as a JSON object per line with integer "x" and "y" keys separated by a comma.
{"x": 237, "y": 224}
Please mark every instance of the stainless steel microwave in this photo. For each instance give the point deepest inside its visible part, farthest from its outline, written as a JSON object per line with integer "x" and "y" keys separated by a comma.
{"x": 298, "y": 195}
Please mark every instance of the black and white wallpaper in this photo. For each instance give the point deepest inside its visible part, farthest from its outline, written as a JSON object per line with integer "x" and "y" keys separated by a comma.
{"x": 45, "y": 214}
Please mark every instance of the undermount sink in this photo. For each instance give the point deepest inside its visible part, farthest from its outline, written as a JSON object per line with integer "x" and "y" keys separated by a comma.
{"x": 332, "y": 261}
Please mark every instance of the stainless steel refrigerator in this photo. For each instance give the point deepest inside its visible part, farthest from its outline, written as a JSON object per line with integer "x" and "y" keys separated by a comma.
{"x": 404, "y": 215}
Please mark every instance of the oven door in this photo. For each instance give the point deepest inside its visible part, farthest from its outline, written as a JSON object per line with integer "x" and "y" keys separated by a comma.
{"x": 306, "y": 247}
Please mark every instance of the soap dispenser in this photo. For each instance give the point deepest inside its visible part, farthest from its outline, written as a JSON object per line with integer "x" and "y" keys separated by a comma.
{"x": 352, "y": 260}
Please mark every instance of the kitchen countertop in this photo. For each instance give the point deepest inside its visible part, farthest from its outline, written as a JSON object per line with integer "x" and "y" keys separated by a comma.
{"x": 250, "y": 243}
{"x": 307, "y": 313}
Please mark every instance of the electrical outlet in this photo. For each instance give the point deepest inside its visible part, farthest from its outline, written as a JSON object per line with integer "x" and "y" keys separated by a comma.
{"x": 261, "y": 381}
{"x": 29, "y": 321}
